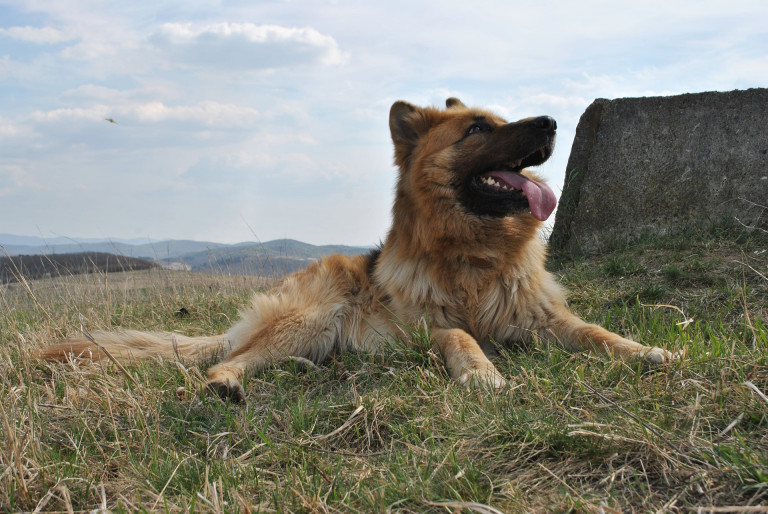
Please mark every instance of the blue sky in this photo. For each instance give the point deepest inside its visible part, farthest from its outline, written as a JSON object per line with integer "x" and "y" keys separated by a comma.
{"x": 243, "y": 120}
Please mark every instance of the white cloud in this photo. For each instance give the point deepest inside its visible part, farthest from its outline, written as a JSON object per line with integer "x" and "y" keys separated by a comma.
{"x": 560, "y": 101}
{"x": 9, "y": 129}
{"x": 207, "y": 113}
{"x": 39, "y": 35}
{"x": 13, "y": 179}
{"x": 91, "y": 93}
{"x": 246, "y": 45}
{"x": 91, "y": 50}
{"x": 71, "y": 114}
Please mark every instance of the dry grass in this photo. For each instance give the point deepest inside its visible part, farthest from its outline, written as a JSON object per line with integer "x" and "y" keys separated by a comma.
{"x": 392, "y": 433}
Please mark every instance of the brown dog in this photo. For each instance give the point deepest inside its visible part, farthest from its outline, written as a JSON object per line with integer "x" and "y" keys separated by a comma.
{"x": 463, "y": 252}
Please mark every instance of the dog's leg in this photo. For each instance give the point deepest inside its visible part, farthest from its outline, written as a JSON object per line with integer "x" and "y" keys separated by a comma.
{"x": 576, "y": 335}
{"x": 465, "y": 360}
{"x": 311, "y": 335}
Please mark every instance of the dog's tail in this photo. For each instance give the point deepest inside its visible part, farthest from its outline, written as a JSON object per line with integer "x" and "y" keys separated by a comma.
{"x": 133, "y": 345}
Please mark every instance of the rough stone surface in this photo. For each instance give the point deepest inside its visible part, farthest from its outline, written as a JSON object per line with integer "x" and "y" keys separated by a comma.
{"x": 662, "y": 165}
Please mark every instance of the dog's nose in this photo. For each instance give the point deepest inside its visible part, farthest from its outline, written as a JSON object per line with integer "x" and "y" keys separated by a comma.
{"x": 547, "y": 123}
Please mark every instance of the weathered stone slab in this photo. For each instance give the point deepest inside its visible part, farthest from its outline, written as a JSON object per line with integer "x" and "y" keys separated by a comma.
{"x": 663, "y": 165}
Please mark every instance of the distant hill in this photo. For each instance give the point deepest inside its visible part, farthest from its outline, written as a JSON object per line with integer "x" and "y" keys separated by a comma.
{"x": 272, "y": 258}
{"x": 146, "y": 250}
{"x": 42, "y": 266}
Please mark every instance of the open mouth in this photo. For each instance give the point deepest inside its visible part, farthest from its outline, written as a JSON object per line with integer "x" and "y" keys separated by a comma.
{"x": 509, "y": 182}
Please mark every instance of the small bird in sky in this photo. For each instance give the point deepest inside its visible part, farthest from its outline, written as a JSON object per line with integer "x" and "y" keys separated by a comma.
{"x": 111, "y": 121}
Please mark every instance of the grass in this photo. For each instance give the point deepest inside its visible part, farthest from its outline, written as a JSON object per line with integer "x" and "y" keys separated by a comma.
{"x": 575, "y": 432}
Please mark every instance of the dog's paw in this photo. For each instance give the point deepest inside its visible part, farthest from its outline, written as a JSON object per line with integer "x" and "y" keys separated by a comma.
{"x": 482, "y": 379}
{"x": 657, "y": 355}
{"x": 227, "y": 390}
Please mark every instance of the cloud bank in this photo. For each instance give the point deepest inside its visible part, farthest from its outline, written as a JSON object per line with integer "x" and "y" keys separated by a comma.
{"x": 245, "y": 45}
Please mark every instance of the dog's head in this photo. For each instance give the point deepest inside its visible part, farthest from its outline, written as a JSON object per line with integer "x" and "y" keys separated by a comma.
{"x": 472, "y": 158}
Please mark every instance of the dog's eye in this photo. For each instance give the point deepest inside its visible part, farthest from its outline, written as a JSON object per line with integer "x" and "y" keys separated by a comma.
{"x": 478, "y": 127}
{"x": 474, "y": 129}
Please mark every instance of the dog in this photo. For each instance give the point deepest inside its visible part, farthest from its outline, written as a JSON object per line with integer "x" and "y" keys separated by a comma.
{"x": 463, "y": 253}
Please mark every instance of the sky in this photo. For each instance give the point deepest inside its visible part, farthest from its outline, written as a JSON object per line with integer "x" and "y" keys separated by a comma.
{"x": 243, "y": 120}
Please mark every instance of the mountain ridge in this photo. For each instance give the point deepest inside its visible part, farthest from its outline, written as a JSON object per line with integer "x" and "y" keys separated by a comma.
{"x": 271, "y": 258}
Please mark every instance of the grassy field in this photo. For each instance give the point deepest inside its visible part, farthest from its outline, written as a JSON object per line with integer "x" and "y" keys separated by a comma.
{"x": 574, "y": 432}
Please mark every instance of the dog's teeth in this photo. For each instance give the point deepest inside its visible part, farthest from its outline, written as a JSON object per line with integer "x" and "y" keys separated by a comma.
{"x": 492, "y": 182}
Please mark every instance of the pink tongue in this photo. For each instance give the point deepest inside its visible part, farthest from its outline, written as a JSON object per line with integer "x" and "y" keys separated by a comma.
{"x": 541, "y": 199}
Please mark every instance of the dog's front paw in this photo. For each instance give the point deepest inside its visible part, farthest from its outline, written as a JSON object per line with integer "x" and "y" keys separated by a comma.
{"x": 657, "y": 355}
{"x": 484, "y": 379}
{"x": 227, "y": 390}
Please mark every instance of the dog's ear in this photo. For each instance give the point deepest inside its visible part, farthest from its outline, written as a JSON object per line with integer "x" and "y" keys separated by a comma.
{"x": 407, "y": 123}
{"x": 454, "y": 102}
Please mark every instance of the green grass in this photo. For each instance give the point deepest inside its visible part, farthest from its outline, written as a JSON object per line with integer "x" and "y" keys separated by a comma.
{"x": 574, "y": 432}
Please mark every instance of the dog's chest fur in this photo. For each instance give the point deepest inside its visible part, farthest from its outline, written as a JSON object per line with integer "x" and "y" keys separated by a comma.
{"x": 498, "y": 303}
